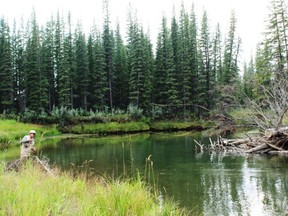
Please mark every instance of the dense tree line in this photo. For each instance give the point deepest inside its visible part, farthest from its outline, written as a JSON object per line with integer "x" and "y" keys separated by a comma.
{"x": 191, "y": 69}
{"x": 270, "y": 66}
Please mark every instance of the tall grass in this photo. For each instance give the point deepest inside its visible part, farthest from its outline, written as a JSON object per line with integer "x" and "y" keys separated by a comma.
{"x": 111, "y": 127}
{"x": 34, "y": 192}
{"x": 11, "y": 131}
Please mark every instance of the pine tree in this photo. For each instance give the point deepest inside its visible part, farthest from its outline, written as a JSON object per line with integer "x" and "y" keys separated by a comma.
{"x": 206, "y": 79}
{"x": 6, "y": 73}
{"x": 277, "y": 37}
{"x": 231, "y": 54}
{"x": 148, "y": 70}
{"x": 47, "y": 67}
{"x": 165, "y": 86}
{"x": 194, "y": 60}
{"x": 58, "y": 56}
{"x": 175, "y": 40}
{"x": 249, "y": 78}
{"x": 32, "y": 68}
{"x": 82, "y": 70}
{"x": 121, "y": 93}
{"x": 108, "y": 49}
{"x": 99, "y": 77}
{"x": 263, "y": 70}
{"x": 217, "y": 54}
{"x": 140, "y": 64}
{"x": 160, "y": 93}
{"x": 18, "y": 42}
{"x": 185, "y": 73}
{"x": 66, "y": 76}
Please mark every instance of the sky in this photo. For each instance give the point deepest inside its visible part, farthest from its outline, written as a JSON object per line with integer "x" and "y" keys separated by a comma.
{"x": 251, "y": 14}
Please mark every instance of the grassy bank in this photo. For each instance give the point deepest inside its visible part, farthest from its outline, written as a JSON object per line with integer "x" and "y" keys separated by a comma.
{"x": 176, "y": 126}
{"x": 34, "y": 192}
{"x": 107, "y": 128}
{"x": 131, "y": 127}
{"x": 11, "y": 131}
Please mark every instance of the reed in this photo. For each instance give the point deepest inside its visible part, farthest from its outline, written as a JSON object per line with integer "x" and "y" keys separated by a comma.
{"x": 34, "y": 192}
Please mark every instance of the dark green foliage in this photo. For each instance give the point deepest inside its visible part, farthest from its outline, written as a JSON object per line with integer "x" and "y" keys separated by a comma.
{"x": 82, "y": 70}
{"x": 35, "y": 98}
{"x": 121, "y": 76}
{"x": 231, "y": 54}
{"x": 108, "y": 44}
{"x": 48, "y": 67}
{"x": 140, "y": 65}
{"x": 249, "y": 79}
{"x": 6, "y": 76}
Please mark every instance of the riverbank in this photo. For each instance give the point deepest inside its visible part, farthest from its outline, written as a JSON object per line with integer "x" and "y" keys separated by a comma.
{"x": 111, "y": 128}
{"x": 11, "y": 131}
{"x": 34, "y": 192}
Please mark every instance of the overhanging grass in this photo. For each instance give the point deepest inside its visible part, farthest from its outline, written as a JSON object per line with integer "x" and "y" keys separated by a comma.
{"x": 11, "y": 131}
{"x": 34, "y": 192}
{"x": 112, "y": 127}
{"x": 173, "y": 125}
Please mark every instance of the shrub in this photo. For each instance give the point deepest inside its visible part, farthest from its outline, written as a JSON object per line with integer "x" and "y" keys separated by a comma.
{"x": 134, "y": 111}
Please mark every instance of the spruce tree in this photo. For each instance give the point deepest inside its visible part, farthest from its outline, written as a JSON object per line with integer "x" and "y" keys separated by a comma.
{"x": 165, "y": 85}
{"x": 6, "y": 73}
{"x": 108, "y": 49}
{"x": 276, "y": 36}
{"x": 194, "y": 60}
{"x": 66, "y": 76}
{"x": 32, "y": 68}
{"x": 185, "y": 73}
{"x": 140, "y": 64}
{"x": 121, "y": 93}
{"x": 249, "y": 78}
{"x": 231, "y": 53}
{"x": 82, "y": 70}
{"x": 206, "y": 79}
{"x": 99, "y": 76}
{"x": 47, "y": 67}
{"x": 18, "y": 42}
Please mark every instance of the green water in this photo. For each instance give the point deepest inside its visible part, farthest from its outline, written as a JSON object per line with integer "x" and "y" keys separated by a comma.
{"x": 205, "y": 183}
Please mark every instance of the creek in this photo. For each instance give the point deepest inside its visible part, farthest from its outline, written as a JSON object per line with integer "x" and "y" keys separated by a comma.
{"x": 205, "y": 183}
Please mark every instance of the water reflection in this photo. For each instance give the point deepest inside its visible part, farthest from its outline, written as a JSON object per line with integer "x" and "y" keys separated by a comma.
{"x": 208, "y": 184}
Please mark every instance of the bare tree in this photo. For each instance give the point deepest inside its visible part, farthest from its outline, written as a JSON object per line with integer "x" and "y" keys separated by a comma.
{"x": 269, "y": 111}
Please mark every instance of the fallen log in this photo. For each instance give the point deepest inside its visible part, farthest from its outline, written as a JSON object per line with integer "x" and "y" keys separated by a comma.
{"x": 272, "y": 142}
{"x": 283, "y": 153}
{"x": 275, "y": 147}
{"x": 258, "y": 148}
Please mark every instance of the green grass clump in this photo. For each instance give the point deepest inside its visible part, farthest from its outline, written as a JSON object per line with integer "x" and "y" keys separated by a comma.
{"x": 12, "y": 132}
{"x": 34, "y": 192}
{"x": 172, "y": 126}
{"x": 112, "y": 127}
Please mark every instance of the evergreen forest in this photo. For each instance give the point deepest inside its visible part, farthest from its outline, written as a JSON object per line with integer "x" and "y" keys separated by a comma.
{"x": 194, "y": 68}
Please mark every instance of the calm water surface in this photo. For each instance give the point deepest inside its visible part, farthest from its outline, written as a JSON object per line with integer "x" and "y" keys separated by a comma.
{"x": 205, "y": 183}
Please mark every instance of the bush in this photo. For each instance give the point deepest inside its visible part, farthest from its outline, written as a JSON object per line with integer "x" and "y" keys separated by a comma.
{"x": 135, "y": 112}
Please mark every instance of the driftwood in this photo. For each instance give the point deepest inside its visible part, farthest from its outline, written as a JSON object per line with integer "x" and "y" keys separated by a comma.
{"x": 272, "y": 142}
{"x": 17, "y": 164}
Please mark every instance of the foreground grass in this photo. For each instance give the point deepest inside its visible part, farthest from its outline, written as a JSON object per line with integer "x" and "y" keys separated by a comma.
{"x": 34, "y": 192}
{"x": 12, "y": 132}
